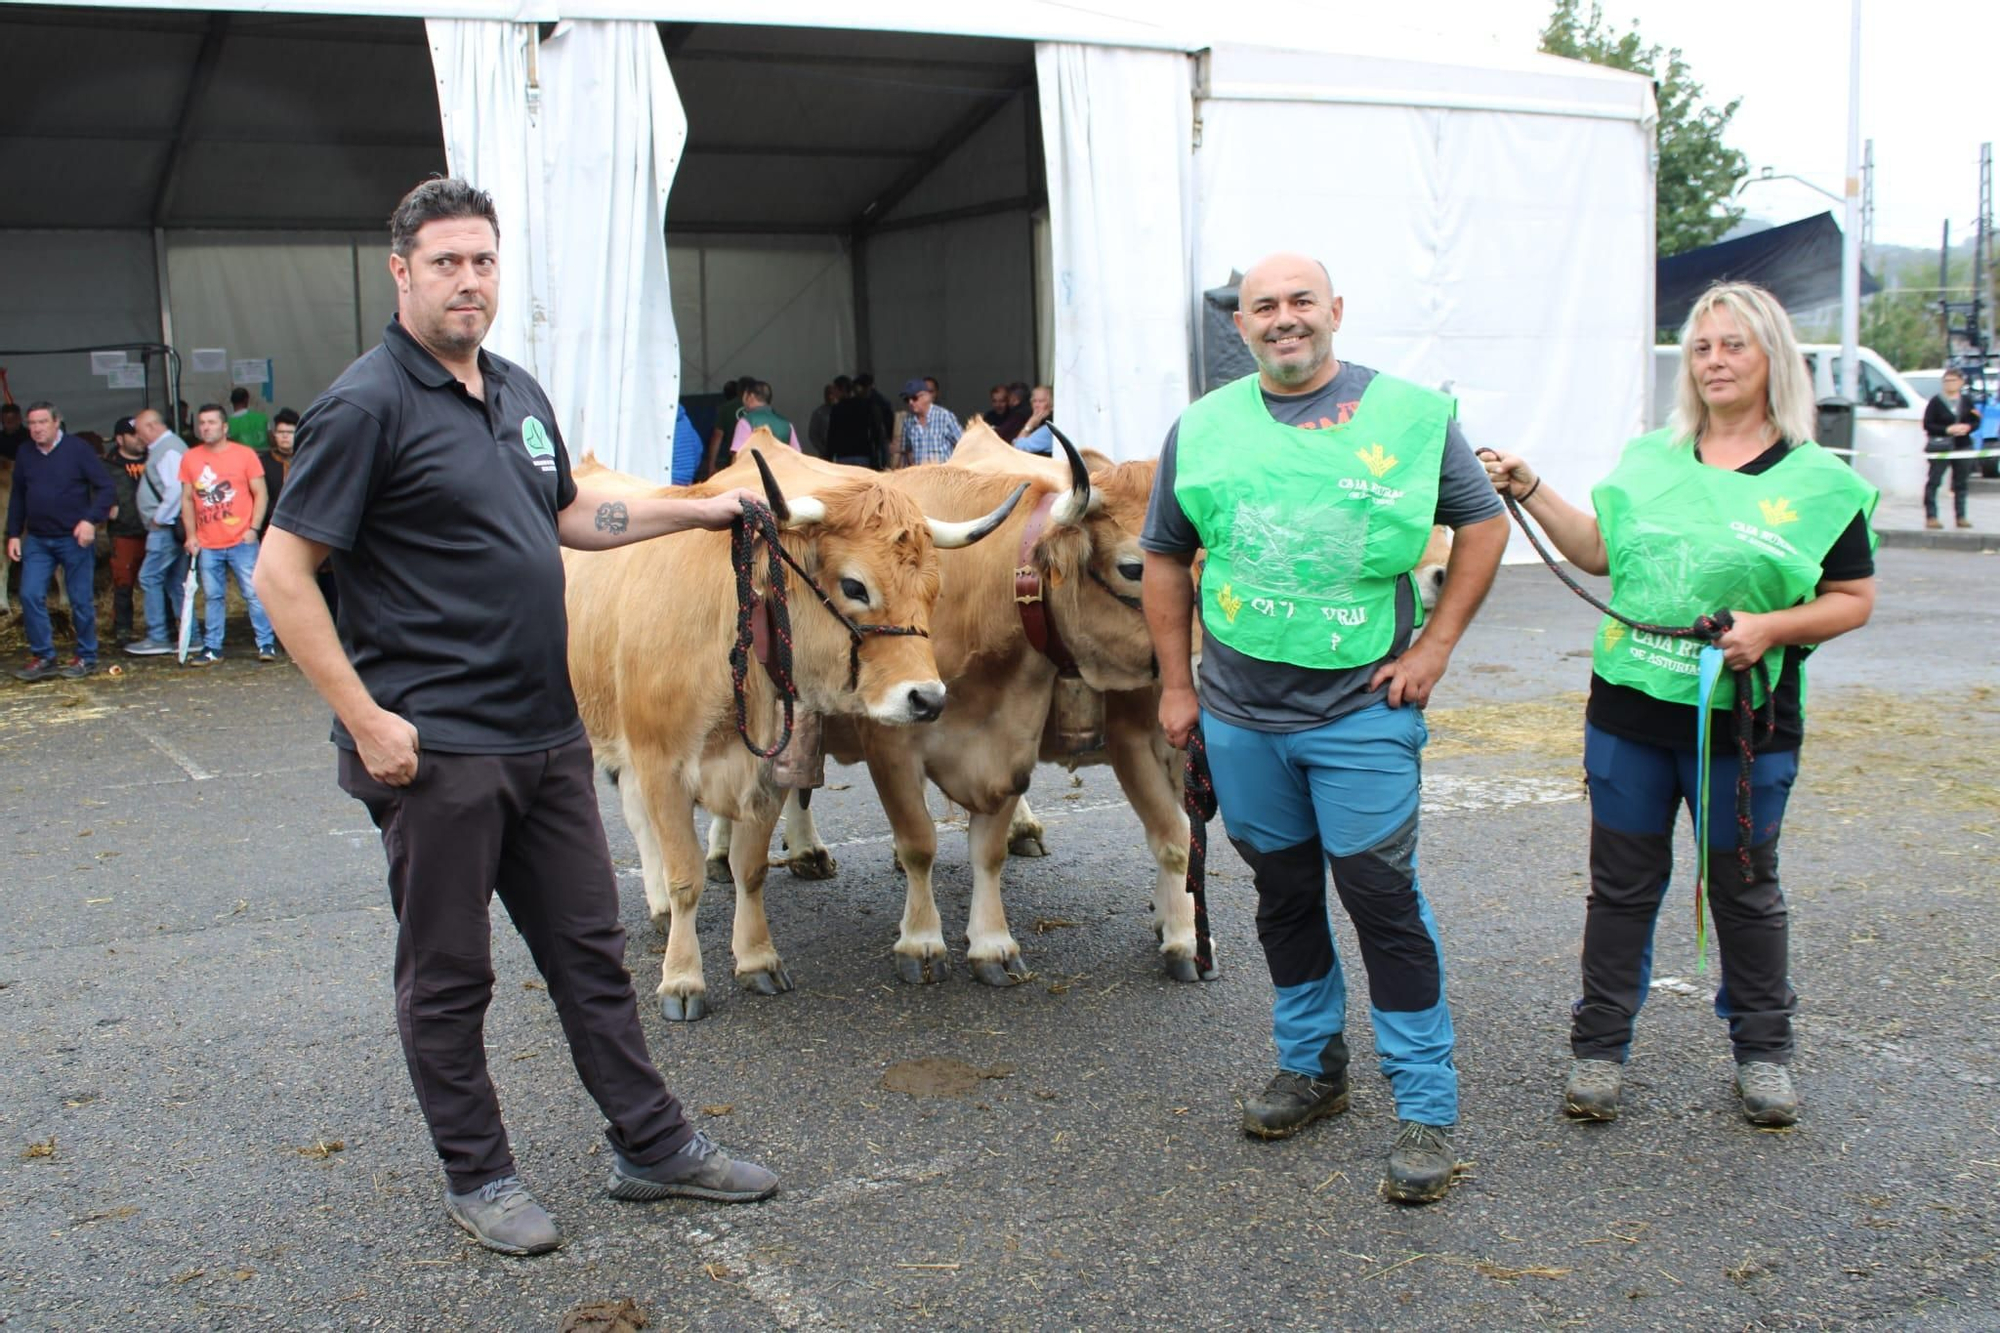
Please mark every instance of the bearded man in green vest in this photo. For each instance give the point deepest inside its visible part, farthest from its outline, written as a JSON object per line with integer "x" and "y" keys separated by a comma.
{"x": 1313, "y": 486}
{"x": 1730, "y": 507}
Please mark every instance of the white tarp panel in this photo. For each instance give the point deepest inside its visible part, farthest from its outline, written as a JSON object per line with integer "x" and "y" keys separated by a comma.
{"x": 75, "y": 289}
{"x": 780, "y": 308}
{"x": 1119, "y": 240}
{"x": 955, "y": 300}
{"x": 583, "y": 155}
{"x": 289, "y": 296}
{"x": 492, "y": 137}
{"x": 1504, "y": 253}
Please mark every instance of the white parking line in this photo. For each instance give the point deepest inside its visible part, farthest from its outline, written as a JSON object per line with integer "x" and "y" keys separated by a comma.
{"x": 171, "y": 751}
{"x": 768, "y": 1283}
{"x": 1445, "y": 793}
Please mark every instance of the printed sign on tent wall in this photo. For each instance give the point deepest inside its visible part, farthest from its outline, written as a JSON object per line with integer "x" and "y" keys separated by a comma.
{"x": 128, "y": 376}
{"x": 253, "y": 371}
{"x": 103, "y": 363}
{"x": 210, "y": 360}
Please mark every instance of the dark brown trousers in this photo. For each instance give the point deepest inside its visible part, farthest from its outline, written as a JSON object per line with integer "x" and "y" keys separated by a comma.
{"x": 527, "y": 827}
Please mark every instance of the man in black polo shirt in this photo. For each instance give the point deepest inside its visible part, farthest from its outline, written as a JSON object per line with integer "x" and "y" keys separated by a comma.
{"x": 434, "y": 475}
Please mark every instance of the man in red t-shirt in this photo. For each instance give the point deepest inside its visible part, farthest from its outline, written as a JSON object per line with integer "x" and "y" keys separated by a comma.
{"x": 222, "y": 502}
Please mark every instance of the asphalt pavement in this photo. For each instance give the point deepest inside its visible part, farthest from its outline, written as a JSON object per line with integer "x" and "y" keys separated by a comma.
{"x": 207, "y": 1122}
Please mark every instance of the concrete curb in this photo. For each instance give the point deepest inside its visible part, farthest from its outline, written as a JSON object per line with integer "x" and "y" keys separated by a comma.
{"x": 1950, "y": 539}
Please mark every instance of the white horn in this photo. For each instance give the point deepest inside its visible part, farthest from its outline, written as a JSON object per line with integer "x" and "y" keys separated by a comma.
{"x": 1074, "y": 503}
{"x": 949, "y": 535}
{"x": 790, "y": 514}
{"x": 806, "y": 510}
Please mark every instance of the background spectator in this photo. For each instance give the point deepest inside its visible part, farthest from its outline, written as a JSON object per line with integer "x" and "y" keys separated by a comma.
{"x": 885, "y": 411}
{"x": 930, "y": 431}
{"x": 61, "y": 496}
{"x": 128, "y": 463}
{"x": 223, "y": 505}
{"x": 1035, "y": 436}
{"x": 757, "y": 414}
{"x": 821, "y": 422}
{"x": 278, "y": 461}
{"x": 246, "y": 426}
{"x": 12, "y": 433}
{"x": 724, "y": 427}
{"x": 687, "y": 448}
{"x": 853, "y": 431}
{"x": 165, "y": 566}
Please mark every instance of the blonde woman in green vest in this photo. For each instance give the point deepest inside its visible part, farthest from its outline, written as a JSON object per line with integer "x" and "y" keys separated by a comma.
{"x": 1733, "y": 507}
{"x": 1313, "y": 485}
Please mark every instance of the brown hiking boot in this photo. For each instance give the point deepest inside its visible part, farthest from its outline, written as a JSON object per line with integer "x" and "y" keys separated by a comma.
{"x": 1767, "y": 1092}
{"x": 1591, "y": 1092}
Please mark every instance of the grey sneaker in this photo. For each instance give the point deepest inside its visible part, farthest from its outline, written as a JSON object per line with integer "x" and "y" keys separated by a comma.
{"x": 1767, "y": 1092}
{"x": 700, "y": 1170}
{"x": 149, "y": 648}
{"x": 38, "y": 668}
{"x": 76, "y": 669}
{"x": 502, "y": 1215}
{"x": 1420, "y": 1164}
{"x": 1592, "y": 1090}
{"x": 1290, "y": 1102}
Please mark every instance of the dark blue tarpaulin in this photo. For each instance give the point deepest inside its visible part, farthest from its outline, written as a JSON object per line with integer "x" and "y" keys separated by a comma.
{"x": 1799, "y": 263}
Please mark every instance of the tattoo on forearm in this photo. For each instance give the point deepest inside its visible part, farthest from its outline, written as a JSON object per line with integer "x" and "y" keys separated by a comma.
{"x": 612, "y": 518}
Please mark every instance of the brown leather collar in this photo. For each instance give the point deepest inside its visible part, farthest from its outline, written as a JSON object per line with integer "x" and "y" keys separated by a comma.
{"x": 1029, "y": 596}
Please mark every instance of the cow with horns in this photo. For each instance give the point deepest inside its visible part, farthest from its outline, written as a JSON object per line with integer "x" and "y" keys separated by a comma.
{"x": 650, "y": 628}
{"x": 1070, "y": 557}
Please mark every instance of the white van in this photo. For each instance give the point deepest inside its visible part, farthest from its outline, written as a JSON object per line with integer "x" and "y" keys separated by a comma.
{"x": 1888, "y": 420}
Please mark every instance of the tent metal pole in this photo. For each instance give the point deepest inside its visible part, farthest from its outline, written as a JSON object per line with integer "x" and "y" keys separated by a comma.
{"x": 160, "y": 283}
{"x": 857, "y": 263}
{"x": 198, "y": 80}
{"x": 354, "y": 254}
{"x": 701, "y": 286}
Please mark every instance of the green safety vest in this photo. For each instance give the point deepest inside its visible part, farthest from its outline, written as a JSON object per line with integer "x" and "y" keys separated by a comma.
{"x": 768, "y": 420}
{"x": 251, "y": 428}
{"x": 1309, "y": 532}
{"x": 1686, "y": 540}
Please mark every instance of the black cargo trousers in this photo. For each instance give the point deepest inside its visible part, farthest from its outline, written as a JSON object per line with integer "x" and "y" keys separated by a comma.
{"x": 526, "y": 826}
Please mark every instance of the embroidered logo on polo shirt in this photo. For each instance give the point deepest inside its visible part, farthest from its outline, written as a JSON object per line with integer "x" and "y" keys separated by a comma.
{"x": 541, "y": 449}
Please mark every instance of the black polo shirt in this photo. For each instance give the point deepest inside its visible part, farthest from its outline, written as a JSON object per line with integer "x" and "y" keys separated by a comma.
{"x": 441, "y": 511}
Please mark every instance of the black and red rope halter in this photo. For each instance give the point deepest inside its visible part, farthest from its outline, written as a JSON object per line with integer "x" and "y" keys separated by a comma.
{"x": 764, "y": 623}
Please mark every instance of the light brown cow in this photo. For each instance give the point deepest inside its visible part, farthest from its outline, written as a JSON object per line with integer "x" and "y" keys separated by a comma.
{"x": 649, "y": 631}
{"x": 982, "y": 752}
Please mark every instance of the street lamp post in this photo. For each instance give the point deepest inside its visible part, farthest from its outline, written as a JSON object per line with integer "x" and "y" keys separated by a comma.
{"x": 1850, "y": 201}
{"x": 1850, "y": 240}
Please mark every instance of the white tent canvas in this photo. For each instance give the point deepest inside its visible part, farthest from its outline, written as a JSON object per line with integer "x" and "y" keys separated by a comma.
{"x": 1469, "y": 202}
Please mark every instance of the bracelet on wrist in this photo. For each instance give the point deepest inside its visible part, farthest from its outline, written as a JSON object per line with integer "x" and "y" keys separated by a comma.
{"x": 1531, "y": 492}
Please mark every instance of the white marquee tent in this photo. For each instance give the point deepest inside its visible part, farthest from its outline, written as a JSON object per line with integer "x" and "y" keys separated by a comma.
{"x": 1025, "y": 190}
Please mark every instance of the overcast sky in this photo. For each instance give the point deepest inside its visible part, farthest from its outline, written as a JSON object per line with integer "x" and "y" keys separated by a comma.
{"x": 1929, "y": 92}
